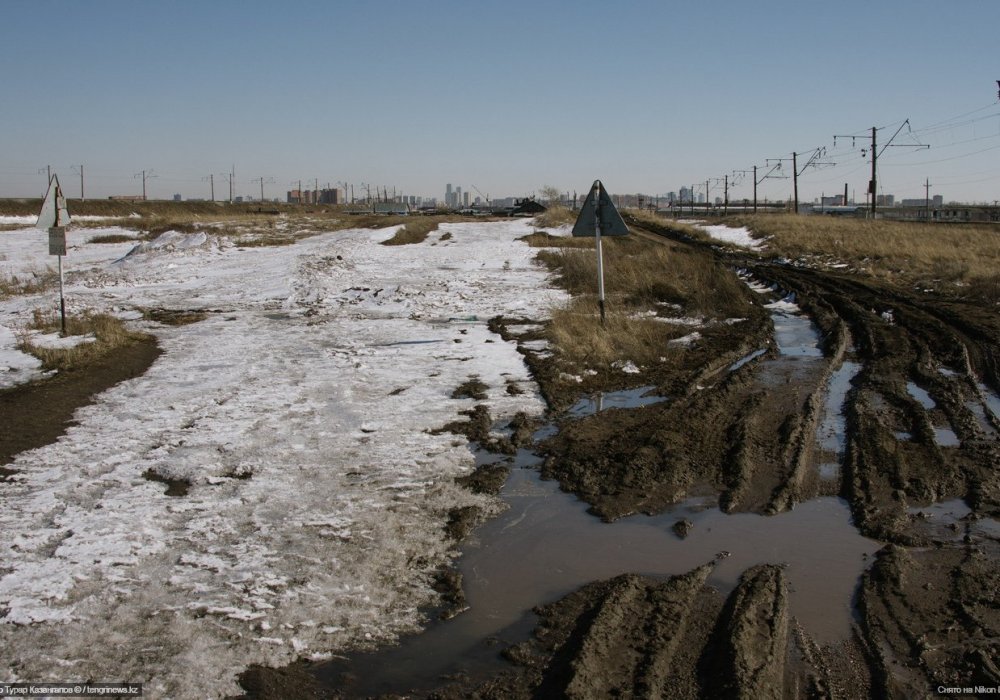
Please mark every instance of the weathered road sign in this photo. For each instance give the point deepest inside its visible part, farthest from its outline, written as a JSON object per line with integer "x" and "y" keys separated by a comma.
{"x": 57, "y": 240}
{"x": 55, "y": 217}
{"x": 611, "y": 221}
{"x": 598, "y": 217}
{"x": 53, "y": 213}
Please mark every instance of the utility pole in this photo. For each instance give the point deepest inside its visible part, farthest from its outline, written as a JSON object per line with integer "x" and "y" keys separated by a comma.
{"x": 145, "y": 175}
{"x": 211, "y": 181}
{"x": 82, "y": 198}
{"x": 927, "y": 198}
{"x": 795, "y": 179}
{"x": 262, "y": 182}
{"x": 873, "y": 183}
{"x": 725, "y": 200}
{"x": 229, "y": 177}
{"x": 48, "y": 178}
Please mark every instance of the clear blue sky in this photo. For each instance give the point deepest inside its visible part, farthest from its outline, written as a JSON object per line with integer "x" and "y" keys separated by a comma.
{"x": 507, "y": 96}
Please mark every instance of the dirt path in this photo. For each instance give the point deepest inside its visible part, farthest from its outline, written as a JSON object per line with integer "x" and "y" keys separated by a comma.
{"x": 920, "y": 470}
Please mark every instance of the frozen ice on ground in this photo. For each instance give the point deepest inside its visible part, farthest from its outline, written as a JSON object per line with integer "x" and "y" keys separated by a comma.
{"x": 283, "y": 414}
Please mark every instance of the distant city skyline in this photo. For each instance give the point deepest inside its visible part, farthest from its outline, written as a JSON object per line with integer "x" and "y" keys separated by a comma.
{"x": 507, "y": 98}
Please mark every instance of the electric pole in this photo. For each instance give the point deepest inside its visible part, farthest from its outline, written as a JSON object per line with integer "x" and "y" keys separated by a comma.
{"x": 927, "y": 198}
{"x": 211, "y": 179}
{"x": 48, "y": 178}
{"x": 145, "y": 175}
{"x": 230, "y": 177}
{"x": 82, "y": 198}
{"x": 873, "y": 183}
{"x": 795, "y": 179}
{"x": 262, "y": 182}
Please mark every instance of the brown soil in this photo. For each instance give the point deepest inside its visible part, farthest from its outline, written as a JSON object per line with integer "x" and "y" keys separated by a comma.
{"x": 37, "y": 413}
{"x": 927, "y": 608}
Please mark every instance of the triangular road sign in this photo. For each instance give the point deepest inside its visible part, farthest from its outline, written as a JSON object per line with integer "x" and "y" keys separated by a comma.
{"x": 611, "y": 221}
{"x": 54, "y": 213}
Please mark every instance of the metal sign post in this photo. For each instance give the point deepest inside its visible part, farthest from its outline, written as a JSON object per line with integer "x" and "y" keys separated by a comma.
{"x": 55, "y": 218}
{"x": 606, "y": 221}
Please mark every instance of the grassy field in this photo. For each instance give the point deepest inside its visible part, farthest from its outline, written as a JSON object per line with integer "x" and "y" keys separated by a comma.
{"x": 954, "y": 257}
{"x": 646, "y": 283}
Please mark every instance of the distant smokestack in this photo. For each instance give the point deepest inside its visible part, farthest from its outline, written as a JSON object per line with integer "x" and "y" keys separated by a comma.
{"x": 845, "y": 194}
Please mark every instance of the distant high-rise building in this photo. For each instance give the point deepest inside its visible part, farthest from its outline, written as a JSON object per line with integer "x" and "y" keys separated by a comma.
{"x": 465, "y": 199}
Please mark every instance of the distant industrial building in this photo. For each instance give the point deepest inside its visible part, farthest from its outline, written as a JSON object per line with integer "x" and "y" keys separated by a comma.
{"x": 325, "y": 196}
{"x": 935, "y": 201}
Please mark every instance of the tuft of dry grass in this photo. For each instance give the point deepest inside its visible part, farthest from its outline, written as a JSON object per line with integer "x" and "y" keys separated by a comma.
{"x": 541, "y": 239}
{"x": 414, "y": 231}
{"x": 556, "y": 216}
{"x": 109, "y": 332}
{"x": 113, "y": 238}
{"x": 582, "y": 341}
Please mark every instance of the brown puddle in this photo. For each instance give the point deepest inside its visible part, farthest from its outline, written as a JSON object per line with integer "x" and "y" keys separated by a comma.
{"x": 547, "y": 545}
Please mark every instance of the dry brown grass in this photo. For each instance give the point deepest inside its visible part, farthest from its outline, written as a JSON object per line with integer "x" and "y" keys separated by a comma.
{"x": 641, "y": 274}
{"x": 414, "y": 231}
{"x": 541, "y": 239}
{"x": 655, "y": 221}
{"x": 641, "y": 279}
{"x": 556, "y": 216}
{"x": 967, "y": 255}
{"x": 109, "y": 332}
{"x": 112, "y": 238}
{"x": 582, "y": 341}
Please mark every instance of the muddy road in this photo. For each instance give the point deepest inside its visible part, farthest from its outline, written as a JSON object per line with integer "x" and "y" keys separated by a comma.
{"x": 835, "y": 391}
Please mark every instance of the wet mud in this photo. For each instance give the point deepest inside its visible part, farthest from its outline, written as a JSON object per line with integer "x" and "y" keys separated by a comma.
{"x": 37, "y": 413}
{"x": 874, "y": 402}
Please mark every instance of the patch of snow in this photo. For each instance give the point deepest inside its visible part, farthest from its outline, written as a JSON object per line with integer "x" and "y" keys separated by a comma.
{"x": 628, "y": 367}
{"x": 16, "y": 367}
{"x": 28, "y": 220}
{"x": 282, "y": 414}
{"x": 54, "y": 341}
{"x": 727, "y": 234}
{"x": 694, "y": 322}
{"x": 686, "y": 340}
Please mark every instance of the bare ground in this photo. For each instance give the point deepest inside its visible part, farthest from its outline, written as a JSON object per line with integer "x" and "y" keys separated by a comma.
{"x": 927, "y": 609}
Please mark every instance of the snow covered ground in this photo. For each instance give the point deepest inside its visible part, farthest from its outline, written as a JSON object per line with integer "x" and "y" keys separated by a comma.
{"x": 728, "y": 234}
{"x": 298, "y": 410}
